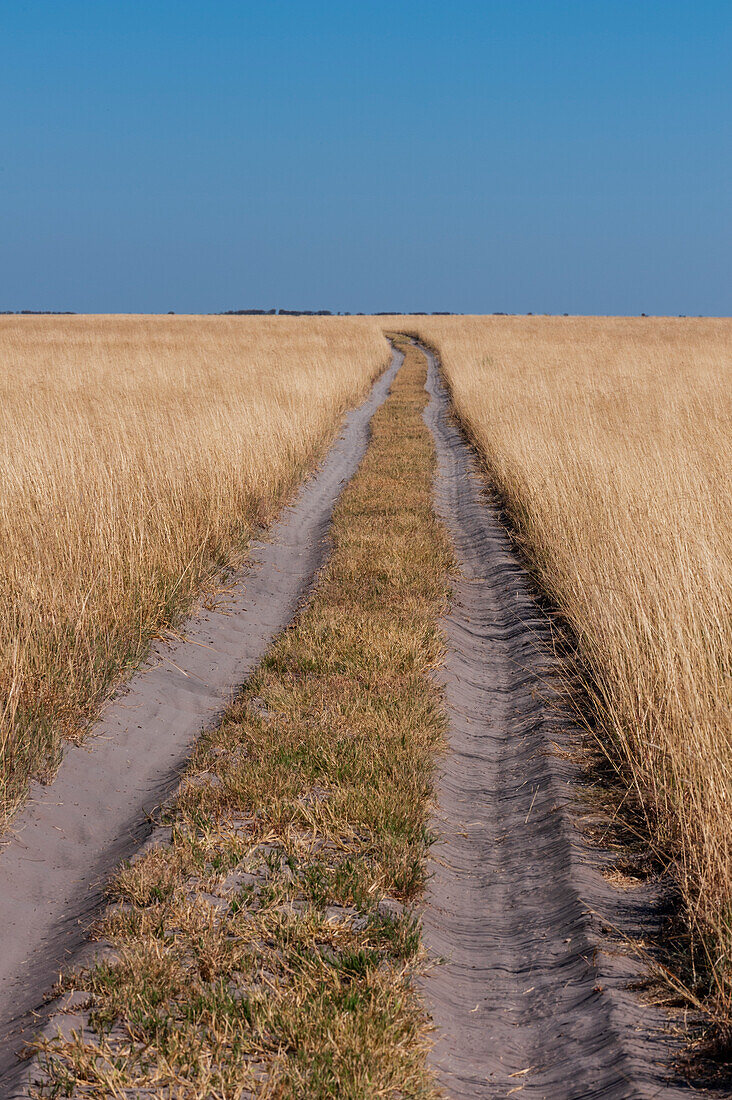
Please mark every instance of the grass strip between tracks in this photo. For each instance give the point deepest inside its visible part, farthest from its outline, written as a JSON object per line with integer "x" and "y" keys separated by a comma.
{"x": 269, "y": 948}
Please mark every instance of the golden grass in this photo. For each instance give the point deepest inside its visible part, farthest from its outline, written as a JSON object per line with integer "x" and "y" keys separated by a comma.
{"x": 136, "y": 455}
{"x": 269, "y": 948}
{"x": 611, "y": 443}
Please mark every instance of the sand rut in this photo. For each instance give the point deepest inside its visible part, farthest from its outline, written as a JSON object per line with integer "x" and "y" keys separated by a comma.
{"x": 71, "y": 835}
{"x": 524, "y": 1004}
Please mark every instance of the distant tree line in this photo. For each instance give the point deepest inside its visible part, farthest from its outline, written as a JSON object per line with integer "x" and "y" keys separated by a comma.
{"x": 330, "y": 313}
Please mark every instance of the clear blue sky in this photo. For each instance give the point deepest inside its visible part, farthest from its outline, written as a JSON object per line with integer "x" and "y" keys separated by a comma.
{"x": 517, "y": 155}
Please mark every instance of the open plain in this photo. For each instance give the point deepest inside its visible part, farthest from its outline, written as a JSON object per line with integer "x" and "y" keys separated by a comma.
{"x": 608, "y": 441}
{"x": 458, "y": 820}
{"x": 138, "y": 456}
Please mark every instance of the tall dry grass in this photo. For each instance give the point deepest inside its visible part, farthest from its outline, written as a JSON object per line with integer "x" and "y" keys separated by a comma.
{"x": 136, "y": 454}
{"x": 611, "y": 443}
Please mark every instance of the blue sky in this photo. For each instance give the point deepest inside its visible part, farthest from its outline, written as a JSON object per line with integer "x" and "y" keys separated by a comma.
{"x": 513, "y": 155}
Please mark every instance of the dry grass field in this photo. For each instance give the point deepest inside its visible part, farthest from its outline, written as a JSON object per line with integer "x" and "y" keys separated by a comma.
{"x": 136, "y": 454}
{"x": 611, "y": 443}
{"x": 270, "y": 948}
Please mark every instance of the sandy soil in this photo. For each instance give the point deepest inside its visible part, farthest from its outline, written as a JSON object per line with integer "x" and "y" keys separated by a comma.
{"x": 532, "y": 997}
{"x": 72, "y": 834}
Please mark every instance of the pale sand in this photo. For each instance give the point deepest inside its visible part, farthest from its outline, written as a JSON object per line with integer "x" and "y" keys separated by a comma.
{"x": 72, "y": 834}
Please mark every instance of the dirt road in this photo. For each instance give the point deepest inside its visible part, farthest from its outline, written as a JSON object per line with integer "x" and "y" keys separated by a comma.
{"x": 73, "y": 833}
{"x": 530, "y": 998}
{"x": 527, "y": 1002}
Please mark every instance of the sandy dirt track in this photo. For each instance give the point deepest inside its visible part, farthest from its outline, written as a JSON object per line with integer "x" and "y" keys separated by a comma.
{"x": 72, "y": 834}
{"x": 532, "y": 997}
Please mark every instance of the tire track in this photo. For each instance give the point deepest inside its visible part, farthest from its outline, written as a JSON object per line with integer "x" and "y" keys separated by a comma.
{"x": 71, "y": 835}
{"x": 531, "y": 1000}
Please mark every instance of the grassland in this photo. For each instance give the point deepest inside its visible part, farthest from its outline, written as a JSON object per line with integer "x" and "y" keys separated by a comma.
{"x": 269, "y": 949}
{"x": 136, "y": 456}
{"x": 609, "y": 440}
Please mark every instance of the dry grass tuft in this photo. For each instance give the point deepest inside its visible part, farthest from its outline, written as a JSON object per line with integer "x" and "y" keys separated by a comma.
{"x": 136, "y": 456}
{"x": 269, "y": 948}
{"x": 610, "y": 442}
